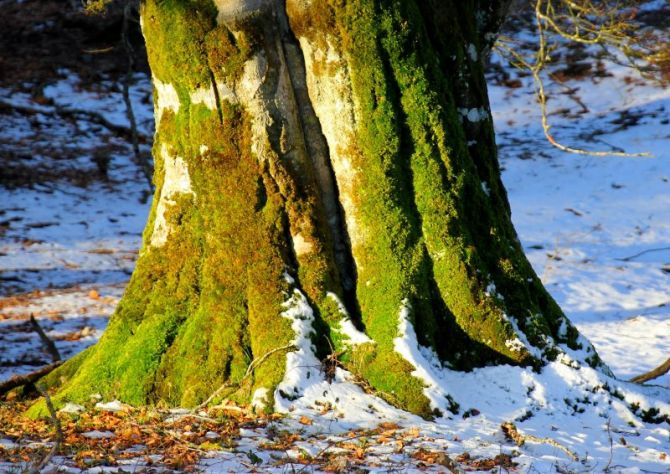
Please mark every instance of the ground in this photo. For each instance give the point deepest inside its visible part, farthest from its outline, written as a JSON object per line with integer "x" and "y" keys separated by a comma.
{"x": 595, "y": 229}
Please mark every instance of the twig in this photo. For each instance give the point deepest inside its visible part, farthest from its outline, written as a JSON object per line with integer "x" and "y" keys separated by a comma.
{"x": 48, "y": 343}
{"x": 21, "y": 380}
{"x": 662, "y": 369}
{"x": 540, "y": 61}
{"x": 639, "y": 254}
{"x": 511, "y": 432}
{"x": 609, "y": 437}
{"x": 37, "y": 468}
{"x": 254, "y": 363}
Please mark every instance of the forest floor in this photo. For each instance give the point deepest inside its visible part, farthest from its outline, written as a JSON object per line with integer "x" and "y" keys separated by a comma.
{"x": 596, "y": 229}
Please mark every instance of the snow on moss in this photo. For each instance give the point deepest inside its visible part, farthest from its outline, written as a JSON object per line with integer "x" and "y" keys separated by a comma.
{"x": 352, "y": 336}
{"x": 427, "y": 366}
{"x": 474, "y": 115}
{"x": 260, "y": 398}
{"x": 301, "y": 364}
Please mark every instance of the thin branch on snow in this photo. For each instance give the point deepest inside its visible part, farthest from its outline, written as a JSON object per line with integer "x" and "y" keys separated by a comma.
{"x": 644, "y": 252}
{"x": 662, "y": 369}
{"x": 511, "y": 432}
{"x": 142, "y": 161}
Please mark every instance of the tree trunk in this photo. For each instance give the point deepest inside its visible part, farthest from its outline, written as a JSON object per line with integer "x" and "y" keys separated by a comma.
{"x": 325, "y": 167}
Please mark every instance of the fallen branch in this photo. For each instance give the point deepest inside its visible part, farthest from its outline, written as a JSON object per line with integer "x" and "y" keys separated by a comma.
{"x": 254, "y": 363}
{"x": 46, "y": 341}
{"x": 511, "y": 432}
{"x": 27, "y": 379}
{"x": 37, "y": 468}
{"x": 662, "y": 369}
{"x": 67, "y": 112}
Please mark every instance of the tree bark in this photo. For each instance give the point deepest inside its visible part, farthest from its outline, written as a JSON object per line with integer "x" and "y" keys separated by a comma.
{"x": 329, "y": 161}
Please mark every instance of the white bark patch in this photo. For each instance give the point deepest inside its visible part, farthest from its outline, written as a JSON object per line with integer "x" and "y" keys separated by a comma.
{"x": 226, "y": 93}
{"x": 301, "y": 246}
{"x": 472, "y": 52}
{"x": 331, "y": 96}
{"x": 205, "y": 96}
{"x": 237, "y": 10}
{"x": 252, "y": 79}
{"x": 166, "y": 99}
{"x": 176, "y": 180}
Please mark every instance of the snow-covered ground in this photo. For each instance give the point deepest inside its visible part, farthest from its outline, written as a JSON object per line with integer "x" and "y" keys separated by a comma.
{"x": 596, "y": 229}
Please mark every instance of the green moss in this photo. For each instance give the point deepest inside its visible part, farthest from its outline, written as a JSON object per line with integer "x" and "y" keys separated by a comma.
{"x": 175, "y": 32}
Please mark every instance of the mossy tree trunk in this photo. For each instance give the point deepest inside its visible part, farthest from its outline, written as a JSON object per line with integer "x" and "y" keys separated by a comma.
{"x": 332, "y": 155}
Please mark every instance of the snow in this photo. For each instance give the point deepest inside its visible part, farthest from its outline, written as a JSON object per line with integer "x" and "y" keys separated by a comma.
{"x": 427, "y": 366}
{"x": 113, "y": 406}
{"x": 476, "y": 114}
{"x": 96, "y": 434}
{"x": 72, "y": 408}
{"x": 352, "y": 335}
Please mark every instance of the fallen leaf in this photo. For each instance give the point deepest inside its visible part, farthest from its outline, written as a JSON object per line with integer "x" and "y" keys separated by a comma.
{"x": 305, "y": 420}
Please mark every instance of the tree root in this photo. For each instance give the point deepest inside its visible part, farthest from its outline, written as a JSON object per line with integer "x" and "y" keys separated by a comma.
{"x": 512, "y": 433}
{"x": 662, "y": 369}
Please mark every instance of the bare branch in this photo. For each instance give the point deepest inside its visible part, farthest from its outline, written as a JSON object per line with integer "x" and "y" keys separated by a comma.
{"x": 21, "y": 380}
{"x": 46, "y": 341}
{"x": 37, "y": 468}
{"x": 254, "y": 363}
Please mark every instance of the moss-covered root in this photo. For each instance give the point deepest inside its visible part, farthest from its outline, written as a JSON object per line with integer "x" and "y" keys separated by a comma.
{"x": 400, "y": 92}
